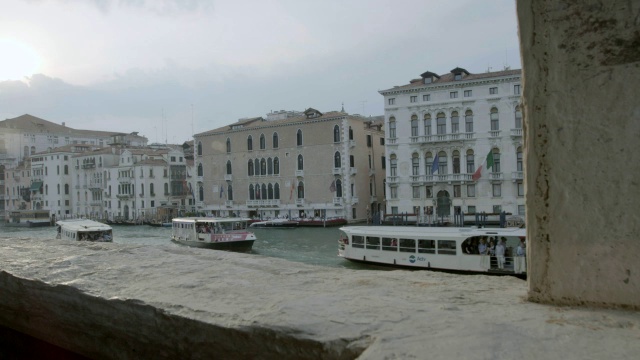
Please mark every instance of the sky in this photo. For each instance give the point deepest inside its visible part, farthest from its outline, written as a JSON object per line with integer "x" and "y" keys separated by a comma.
{"x": 171, "y": 68}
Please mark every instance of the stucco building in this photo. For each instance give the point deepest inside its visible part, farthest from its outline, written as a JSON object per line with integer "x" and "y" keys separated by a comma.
{"x": 440, "y": 129}
{"x": 297, "y": 165}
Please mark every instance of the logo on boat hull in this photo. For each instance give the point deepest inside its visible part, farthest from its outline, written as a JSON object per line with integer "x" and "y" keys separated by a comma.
{"x": 412, "y": 259}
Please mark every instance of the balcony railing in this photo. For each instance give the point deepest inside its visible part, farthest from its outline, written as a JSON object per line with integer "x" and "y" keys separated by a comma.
{"x": 88, "y": 165}
{"x": 495, "y": 176}
{"x": 494, "y": 133}
{"x": 392, "y": 179}
{"x": 444, "y": 137}
{"x": 263, "y": 202}
{"x": 448, "y": 178}
{"x": 123, "y": 196}
{"x": 337, "y": 171}
{"x": 95, "y": 203}
{"x": 352, "y": 143}
{"x": 95, "y": 184}
{"x": 199, "y": 178}
{"x": 337, "y": 201}
{"x": 392, "y": 141}
{"x": 417, "y": 179}
{"x": 300, "y": 202}
{"x": 228, "y": 203}
{"x": 228, "y": 177}
{"x": 517, "y": 175}
{"x": 516, "y": 132}
{"x": 353, "y": 171}
{"x": 299, "y": 173}
{"x": 354, "y": 200}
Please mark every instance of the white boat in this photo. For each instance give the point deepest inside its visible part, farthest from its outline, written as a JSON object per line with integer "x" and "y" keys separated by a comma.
{"x": 438, "y": 248}
{"x": 275, "y": 223}
{"x": 213, "y": 233}
{"x": 84, "y": 230}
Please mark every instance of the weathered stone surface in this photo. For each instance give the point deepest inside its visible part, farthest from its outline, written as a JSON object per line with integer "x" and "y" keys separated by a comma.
{"x": 581, "y": 67}
{"x": 126, "y": 301}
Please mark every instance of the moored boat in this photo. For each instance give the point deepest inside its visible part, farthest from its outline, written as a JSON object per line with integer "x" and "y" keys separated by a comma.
{"x": 477, "y": 250}
{"x": 84, "y": 230}
{"x": 213, "y": 233}
{"x": 31, "y": 218}
{"x": 275, "y": 223}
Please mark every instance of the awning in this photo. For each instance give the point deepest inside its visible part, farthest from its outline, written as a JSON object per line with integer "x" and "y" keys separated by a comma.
{"x": 36, "y": 185}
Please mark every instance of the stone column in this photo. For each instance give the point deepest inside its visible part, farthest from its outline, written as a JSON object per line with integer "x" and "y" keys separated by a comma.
{"x": 581, "y": 67}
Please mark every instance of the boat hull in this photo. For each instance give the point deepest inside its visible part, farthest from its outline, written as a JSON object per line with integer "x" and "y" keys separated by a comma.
{"x": 244, "y": 245}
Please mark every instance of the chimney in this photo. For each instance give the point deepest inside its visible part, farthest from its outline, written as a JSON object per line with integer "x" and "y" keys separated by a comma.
{"x": 63, "y": 123}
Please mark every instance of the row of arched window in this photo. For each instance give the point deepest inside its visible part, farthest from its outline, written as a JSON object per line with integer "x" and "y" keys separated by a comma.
{"x": 229, "y": 192}
{"x": 441, "y": 166}
{"x": 262, "y": 142}
{"x": 455, "y": 125}
{"x": 336, "y": 133}
{"x": 261, "y": 167}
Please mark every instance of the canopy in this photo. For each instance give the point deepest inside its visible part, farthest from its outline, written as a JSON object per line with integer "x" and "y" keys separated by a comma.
{"x": 36, "y": 185}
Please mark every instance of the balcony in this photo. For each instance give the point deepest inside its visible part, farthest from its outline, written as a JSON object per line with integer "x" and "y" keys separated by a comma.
{"x": 299, "y": 173}
{"x": 299, "y": 202}
{"x": 152, "y": 194}
{"x": 228, "y": 177}
{"x": 448, "y": 178}
{"x": 494, "y": 134}
{"x": 354, "y": 200}
{"x": 392, "y": 179}
{"x": 337, "y": 201}
{"x": 517, "y": 175}
{"x": 95, "y": 203}
{"x": 353, "y": 171}
{"x": 88, "y": 165}
{"x": 373, "y": 199}
{"x": 516, "y": 132}
{"x": 442, "y": 138}
{"x": 496, "y": 176}
{"x": 263, "y": 203}
{"x": 199, "y": 178}
{"x": 95, "y": 184}
{"x": 337, "y": 171}
{"x": 416, "y": 179}
{"x": 123, "y": 196}
{"x": 124, "y": 179}
{"x": 392, "y": 141}
{"x": 352, "y": 143}
{"x": 228, "y": 203}
{"x": 372, "y": 172}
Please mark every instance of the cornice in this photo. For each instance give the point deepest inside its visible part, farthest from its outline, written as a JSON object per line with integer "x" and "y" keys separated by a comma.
{"x": 450, "y": 85}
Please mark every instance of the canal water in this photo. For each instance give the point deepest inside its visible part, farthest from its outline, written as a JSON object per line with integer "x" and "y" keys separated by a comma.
{"x": 316, "y": 246}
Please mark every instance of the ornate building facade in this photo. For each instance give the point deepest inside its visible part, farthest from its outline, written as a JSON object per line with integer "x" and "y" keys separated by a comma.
{"x": 440, "y": 129}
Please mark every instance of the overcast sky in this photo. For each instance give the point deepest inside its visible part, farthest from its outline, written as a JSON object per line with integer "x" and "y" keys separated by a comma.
{"x": 125, "y": 65}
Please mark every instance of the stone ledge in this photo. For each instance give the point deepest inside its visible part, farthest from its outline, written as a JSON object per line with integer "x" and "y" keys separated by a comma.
{"x": 129, "y": 301}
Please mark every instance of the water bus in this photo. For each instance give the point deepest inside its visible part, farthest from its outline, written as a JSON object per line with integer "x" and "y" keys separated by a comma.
{"x": 213, "y": 233}
{"x": 83, "y": 230}
{"x": 477, "y": 250}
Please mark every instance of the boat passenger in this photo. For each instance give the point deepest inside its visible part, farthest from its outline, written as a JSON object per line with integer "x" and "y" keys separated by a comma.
{"x": 500, "y": 251}
{"x": 491, "y": 249}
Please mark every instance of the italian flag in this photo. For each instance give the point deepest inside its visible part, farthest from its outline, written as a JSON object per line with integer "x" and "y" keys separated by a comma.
{"x": 486, "y": 165}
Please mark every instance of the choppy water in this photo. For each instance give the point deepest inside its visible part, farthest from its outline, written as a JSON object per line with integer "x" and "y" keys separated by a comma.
{"x": 317, "y": 246}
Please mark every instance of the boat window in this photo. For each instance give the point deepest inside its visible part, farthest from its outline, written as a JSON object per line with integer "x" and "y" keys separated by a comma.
{"x": 389, "y": 244}
{"x": 358, "y": 241}
{"x": 373, "y": 242}
{"x": 427, "y": 246}
{"x": 447, "y": 247}
{"x": 407, "y": 245}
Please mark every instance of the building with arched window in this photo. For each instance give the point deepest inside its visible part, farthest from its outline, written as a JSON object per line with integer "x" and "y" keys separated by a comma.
{"x": 316, "y": 165}
{"x": 465, "y": 117}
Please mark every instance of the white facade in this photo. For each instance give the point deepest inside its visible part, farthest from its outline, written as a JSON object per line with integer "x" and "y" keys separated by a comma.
{"x": 458, "y": 117}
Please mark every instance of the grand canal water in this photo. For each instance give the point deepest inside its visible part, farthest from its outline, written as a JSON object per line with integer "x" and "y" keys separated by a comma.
{"x": 317, "y": 246}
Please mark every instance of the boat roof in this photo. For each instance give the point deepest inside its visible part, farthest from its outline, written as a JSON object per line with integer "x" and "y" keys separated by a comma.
{"x": 209, "y": 219}
{"x": 441, "y": 232}
{"x": 83, "y": 225}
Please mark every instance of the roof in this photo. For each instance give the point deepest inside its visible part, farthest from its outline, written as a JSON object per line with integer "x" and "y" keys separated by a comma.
{"x": 449, "y": 78}
{"x": 83, "y": 224}
{"x": 151, "y": 162}
{"x": 264, "y": 123}
{"x": 431, "y": 232}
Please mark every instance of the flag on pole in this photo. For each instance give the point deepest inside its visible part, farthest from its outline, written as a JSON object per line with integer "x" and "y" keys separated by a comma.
{"x": 435, "y": 165}
{"x": 484, "y": 167}
{"x": 332, "y": 187}
{"x": 293, "y": 186}
{"x": 221, "y": 191}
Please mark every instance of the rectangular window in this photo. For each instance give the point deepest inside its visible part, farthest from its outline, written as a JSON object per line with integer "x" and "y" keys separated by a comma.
{"x": 497, "y": 190}
{"x": 426, "y": 97}
{"x": 447, "y": 247}
{"x": 416, "y": 192}
{"x": 384, "y": 162}
{"x": 520, "y": 189}
{"x": 467, "y": 93}
{"x": 493, "y": 91}
{"x": 407, "y": 245}
{"x": 381, "y": 141}
{"x": 153, "y": 203}
{"x": 369, "y": 142}
{"x": 521, "y": 210}
{"x": 471, "y": 190}
{"x": 389, "y": 244}
{"x": 497, "y": 209}
{"x": 453, "y": 95}
{"x": 392, "y": 101}
{"x": 471, "y": 209}
{"x": 394, "y": 210}
{"x": 429, "y": 192}
{"x": 516, "y": 89}
{"x": 357, "y": 241}
{"x": 427, "y": 246}
{"x": 373, "y": 242}
{"x": 456, "y": 191}
{"x": 369, "y": 161}
{"x": 394, "y": 192}
{"x": 414, "y": 99}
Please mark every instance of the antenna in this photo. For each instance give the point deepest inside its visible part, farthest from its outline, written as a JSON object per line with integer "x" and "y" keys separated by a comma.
{"x": 192, "y": 132}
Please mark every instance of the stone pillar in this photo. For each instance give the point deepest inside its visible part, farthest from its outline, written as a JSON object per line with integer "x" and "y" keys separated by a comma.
{"x": 581, "y": 67}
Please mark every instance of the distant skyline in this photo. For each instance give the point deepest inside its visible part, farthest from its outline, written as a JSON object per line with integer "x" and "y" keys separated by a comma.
{"x": 171, "y": 68}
